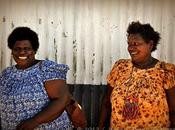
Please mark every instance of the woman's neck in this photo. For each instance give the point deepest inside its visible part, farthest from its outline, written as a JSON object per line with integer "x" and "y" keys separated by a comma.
{"x": 25, "y": 67}
{"x": 147, "y": 64}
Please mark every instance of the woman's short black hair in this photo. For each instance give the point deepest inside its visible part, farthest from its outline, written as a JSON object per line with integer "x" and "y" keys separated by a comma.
{"x": 145, "y": 31}
{"x": 23, "y": 33}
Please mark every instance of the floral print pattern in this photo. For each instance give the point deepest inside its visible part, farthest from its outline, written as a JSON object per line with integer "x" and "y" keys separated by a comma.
{"x": 22, "y": 94}
{"x": 149, "y": 86}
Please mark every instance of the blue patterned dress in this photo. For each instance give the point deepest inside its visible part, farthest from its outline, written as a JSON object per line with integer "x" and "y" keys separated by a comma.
{"x": 22, "y": 94}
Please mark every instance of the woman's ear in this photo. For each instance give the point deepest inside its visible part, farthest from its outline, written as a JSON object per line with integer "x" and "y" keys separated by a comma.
{"x": 151, "y": 44}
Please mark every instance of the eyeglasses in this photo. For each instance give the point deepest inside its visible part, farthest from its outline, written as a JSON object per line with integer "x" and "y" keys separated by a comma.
{"x": 25, "y": 49}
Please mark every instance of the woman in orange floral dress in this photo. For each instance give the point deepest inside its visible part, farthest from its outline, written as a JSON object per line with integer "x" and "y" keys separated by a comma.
{"x": 141, "y": 90}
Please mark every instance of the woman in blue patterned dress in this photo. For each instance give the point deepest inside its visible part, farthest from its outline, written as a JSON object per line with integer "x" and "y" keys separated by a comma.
{"x": 33, "y": 93}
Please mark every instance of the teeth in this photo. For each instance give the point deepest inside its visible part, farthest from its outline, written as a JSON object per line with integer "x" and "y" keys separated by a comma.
{"x": 23, "y": 58}
{"x": 133, "y": 53}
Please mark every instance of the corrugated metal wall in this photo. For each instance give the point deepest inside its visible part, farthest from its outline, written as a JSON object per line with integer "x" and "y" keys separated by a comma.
{"x": 88, "y": 35}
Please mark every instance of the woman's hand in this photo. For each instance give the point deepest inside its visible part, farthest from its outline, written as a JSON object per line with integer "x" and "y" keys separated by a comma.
{"x": 28, "y": 124}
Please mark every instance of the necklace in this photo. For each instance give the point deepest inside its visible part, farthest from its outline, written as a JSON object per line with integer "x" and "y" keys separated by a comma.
{"x": 131, "y": 105}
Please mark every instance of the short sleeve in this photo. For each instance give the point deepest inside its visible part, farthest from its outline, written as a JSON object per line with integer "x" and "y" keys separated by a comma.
{"x": 51, "y": 70}
{"x": 169, "y": 77}
{"x": 111, "y": 76}
{"x": 114, "y": 74}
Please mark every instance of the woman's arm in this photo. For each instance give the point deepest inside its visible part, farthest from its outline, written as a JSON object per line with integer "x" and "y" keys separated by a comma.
{"x": 59, "y": 98}
{"x": 106, "y": 108}
{"x": 170, "y": 93}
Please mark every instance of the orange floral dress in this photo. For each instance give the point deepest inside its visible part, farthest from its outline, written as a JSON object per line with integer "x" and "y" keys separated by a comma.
{"x": 148, "y": 86}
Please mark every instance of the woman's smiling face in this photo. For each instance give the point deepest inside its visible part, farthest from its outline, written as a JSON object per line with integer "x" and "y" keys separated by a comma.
{"x": 23, "y": 54}
{"x": 139, "y": 50}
